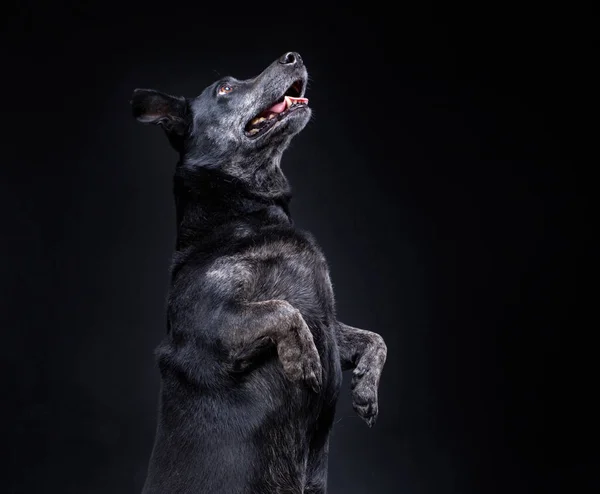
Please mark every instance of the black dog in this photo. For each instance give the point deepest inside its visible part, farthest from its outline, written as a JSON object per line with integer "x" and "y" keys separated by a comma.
{"x": 252, "y": 362}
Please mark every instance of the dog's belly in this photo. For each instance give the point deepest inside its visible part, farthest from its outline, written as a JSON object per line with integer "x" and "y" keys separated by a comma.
{"x": 240, "y": 434}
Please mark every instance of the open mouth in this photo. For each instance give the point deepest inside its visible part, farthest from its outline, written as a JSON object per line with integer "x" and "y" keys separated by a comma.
{"x": 288, "y": 103}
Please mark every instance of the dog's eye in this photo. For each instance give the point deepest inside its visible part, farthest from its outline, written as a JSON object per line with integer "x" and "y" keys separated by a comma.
{"x": 225, "y": 88}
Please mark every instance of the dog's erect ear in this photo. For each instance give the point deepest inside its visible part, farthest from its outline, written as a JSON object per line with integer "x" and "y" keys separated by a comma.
{"x": 170, "y": 112}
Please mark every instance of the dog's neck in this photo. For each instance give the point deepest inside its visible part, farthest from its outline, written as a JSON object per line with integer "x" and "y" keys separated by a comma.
{"x": 207, "y": 199}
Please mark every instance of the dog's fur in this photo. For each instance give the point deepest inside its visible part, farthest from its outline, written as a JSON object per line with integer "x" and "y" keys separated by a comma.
{"x": 252, "y": 361}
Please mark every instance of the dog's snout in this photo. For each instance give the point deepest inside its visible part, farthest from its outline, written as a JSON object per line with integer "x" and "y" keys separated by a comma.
{"x": 291, "y": 58}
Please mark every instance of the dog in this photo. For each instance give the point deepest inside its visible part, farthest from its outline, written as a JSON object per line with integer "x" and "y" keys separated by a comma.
{"x": 251, "y": 365}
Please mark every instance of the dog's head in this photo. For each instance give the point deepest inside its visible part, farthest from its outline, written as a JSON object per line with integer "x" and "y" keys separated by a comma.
{"x": 235, "y": 125}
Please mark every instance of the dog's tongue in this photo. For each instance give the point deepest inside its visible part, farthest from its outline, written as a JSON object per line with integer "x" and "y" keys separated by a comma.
{"x": 286, "y": 103}
{"x": 278, "y": 107}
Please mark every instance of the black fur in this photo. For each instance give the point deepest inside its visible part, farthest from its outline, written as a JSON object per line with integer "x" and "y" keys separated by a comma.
{"x": 252, "y": 361}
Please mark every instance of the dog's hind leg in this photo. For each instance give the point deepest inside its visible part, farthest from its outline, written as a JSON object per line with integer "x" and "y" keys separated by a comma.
{"x": 247, "y": 328}
{"x": 365, "y": 353}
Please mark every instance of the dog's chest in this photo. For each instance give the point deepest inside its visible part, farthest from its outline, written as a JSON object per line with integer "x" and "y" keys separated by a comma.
{"x": 291, "y": 269}
{"x": 285, "y": 271}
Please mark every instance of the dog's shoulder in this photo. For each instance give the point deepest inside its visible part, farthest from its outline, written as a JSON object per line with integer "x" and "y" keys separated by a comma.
{"x": 286, "y": 241}
{"x": 240, "y": 262}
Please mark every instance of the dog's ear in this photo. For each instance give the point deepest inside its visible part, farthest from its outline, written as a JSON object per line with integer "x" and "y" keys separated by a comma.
{"x": 155, "y": 107}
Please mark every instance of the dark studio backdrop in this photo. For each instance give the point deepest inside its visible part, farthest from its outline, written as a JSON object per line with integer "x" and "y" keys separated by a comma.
{"x": 438, "y": 173}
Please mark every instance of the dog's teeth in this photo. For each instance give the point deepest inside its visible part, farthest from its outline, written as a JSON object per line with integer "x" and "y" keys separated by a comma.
{"x": 288, "y": 102}
{"x": 272, "y": 115}
{"x": 257, "y": 120}
{"x": 252, "y": 131}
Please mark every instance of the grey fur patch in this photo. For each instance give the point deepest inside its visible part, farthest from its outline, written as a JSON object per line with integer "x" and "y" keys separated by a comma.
{"x": 228, "y": 275}
{"x": 366, "y": 353}
{"x": 279, "y": 322}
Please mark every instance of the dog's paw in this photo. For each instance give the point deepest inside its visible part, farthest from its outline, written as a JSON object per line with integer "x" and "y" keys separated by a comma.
{"x": 300, "y": 358}
{"x": 364, "y": 395}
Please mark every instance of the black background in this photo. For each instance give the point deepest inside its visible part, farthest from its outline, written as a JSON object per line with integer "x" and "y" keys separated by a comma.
{"x": 441, "y": 174}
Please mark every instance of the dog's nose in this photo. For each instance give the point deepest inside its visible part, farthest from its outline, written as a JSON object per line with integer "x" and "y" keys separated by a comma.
{"x": 291, "y": 58}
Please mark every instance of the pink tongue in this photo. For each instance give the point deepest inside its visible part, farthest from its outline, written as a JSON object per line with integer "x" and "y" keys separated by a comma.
{"x": 278, "y": 108}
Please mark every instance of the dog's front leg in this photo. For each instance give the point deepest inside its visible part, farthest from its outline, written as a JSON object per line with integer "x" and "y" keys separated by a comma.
{"x": 364, "y": 352}
{"x": 251, "y": 326}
